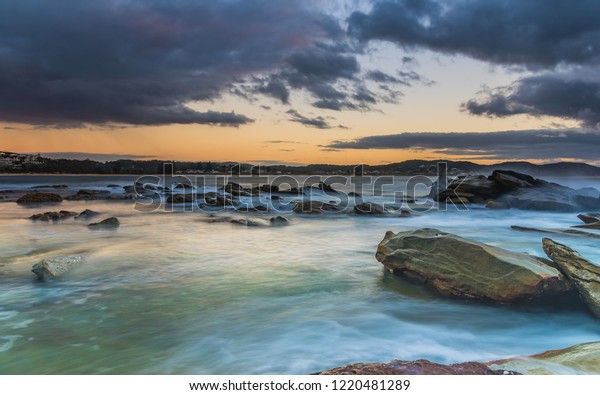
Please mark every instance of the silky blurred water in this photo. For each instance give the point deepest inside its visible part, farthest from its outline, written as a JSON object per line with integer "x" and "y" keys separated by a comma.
{"x": 168, "y": 293}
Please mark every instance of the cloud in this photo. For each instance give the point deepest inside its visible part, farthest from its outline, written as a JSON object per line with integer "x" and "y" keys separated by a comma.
{"x": 533, "y": 33}
{"x": 526, "y": 144}
{"x": 68, "y": 63}
{"x": 317, "y": 122}
{"x": 552, "y": 94}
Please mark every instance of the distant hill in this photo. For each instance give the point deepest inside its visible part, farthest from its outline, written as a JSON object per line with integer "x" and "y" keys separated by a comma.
{"x": 26, "y": 163}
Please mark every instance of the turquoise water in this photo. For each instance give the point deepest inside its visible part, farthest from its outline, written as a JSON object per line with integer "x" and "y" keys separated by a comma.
{"x": 168, "y": 293}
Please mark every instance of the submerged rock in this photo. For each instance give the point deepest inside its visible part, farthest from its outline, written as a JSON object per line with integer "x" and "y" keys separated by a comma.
{"x": 111, "y": 222}
{"x": 55, "y": 267}
{"x": 87, "y": 213}
{"x": 584, "y": 275}
{"x": 421, "y": 366}
{"x": 467, "y": 269}
{"x": 40, "y": 197}
{"x": 53, "y": 215}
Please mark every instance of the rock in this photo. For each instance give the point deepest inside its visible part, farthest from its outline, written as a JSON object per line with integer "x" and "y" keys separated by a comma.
{"x": 438, "y": 186}
{"x": 87, "y": 213}
{"x": 218, "y": 201}
{"x": 562, "y": 232}
{"x": 579, "y": 359}
{"x": 326, "y": 188}
{"x": 53, "y": 215}
{"x": 237, "y": 190}
{"x": 266, "y": 188}
{"x": 111, "y": 222}
{"x": 512, "y": 180}
{"x": 89, "y": 194}
{"x": 114, "y": 186}
{"x": 595, "y": 225}
{"x": 55, "y": 267}
{"x": 496, "y": 205}
{"x": 421, "y": 366}
{"x": 509, "y": 189}
{"x": 39, "y": 197}
{"x": 279, "y": 221}
{"x": 250, "y": 221}
{"x": 405, "y": 213}
{"x": 369, "y": 209}
{"x": 589, "y": 192}
{"x": 588, "y": 218}
{"x": 471, "y": 186}
{"x": 315, "y": 207}
{"x": 584, "y": 275}
{"x": 467, "y": 269}
{"x": 181, "y": 198}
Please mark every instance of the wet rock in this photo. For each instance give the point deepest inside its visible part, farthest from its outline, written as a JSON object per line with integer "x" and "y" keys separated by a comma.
{"x": 55, "y": 267}
{"x": 405, "y": 213}
{"x": 369, "y": 209}
{"x": 584, "y": 275}
{"x": 562, "y": 232}
{"x": 237, "y": 190}
{"x": 109, "y": 223}
{"x": 39, "y": 197}
{"x": 279, "y": 221}
{"x": 315, "y": 207}
{"x": 53, "y": 215}
{"x": 114, "y": 186}
{"x": 250, "y": 221}
{"x": 509, "y": 189}
{"x": 87, "y": 213}
{"x": 181, "y": 198}
{"x": 513, "y": 180}
{"x": 266, "y": 188}
{"x": 89, "y": 194}
{"x": 588, "y": 218}
{"x": 421, "y": 366}
{"x": 579, "y": 359}
{"x": 496, "y": 205}
{"x": 467, "y": 269}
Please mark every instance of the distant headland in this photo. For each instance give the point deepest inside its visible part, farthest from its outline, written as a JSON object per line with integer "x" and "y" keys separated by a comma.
{"x": 15, "y": 163}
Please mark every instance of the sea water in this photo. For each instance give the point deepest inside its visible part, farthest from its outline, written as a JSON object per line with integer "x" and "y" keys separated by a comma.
{"x": 170, "y": 293}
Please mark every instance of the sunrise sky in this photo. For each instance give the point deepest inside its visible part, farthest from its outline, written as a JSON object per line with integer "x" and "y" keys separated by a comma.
{"x": 301, "y": 81}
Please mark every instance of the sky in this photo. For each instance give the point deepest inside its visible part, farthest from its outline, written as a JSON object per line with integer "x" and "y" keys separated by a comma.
{"x": 342, "y": 81}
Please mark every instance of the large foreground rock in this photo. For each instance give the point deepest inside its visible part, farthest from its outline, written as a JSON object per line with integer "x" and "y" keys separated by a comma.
{"x": 55, "y": 267}
{"x": 39, "y": 197}
{"x": 421, "y": 366}
{"x": 579, "y": 359}
{"x": 584, "y": 275}
{"x": 509, "y": 189}
{"x": 467, "y": 269}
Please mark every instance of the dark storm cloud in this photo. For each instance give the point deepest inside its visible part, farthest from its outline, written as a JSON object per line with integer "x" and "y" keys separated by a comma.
{"x": 546, "y": 94}
{"x": 68, "y": 62}
{"x": 531, "y": 33}
{"x": 528, "y": 144}
{"x": 317, "y": 122}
